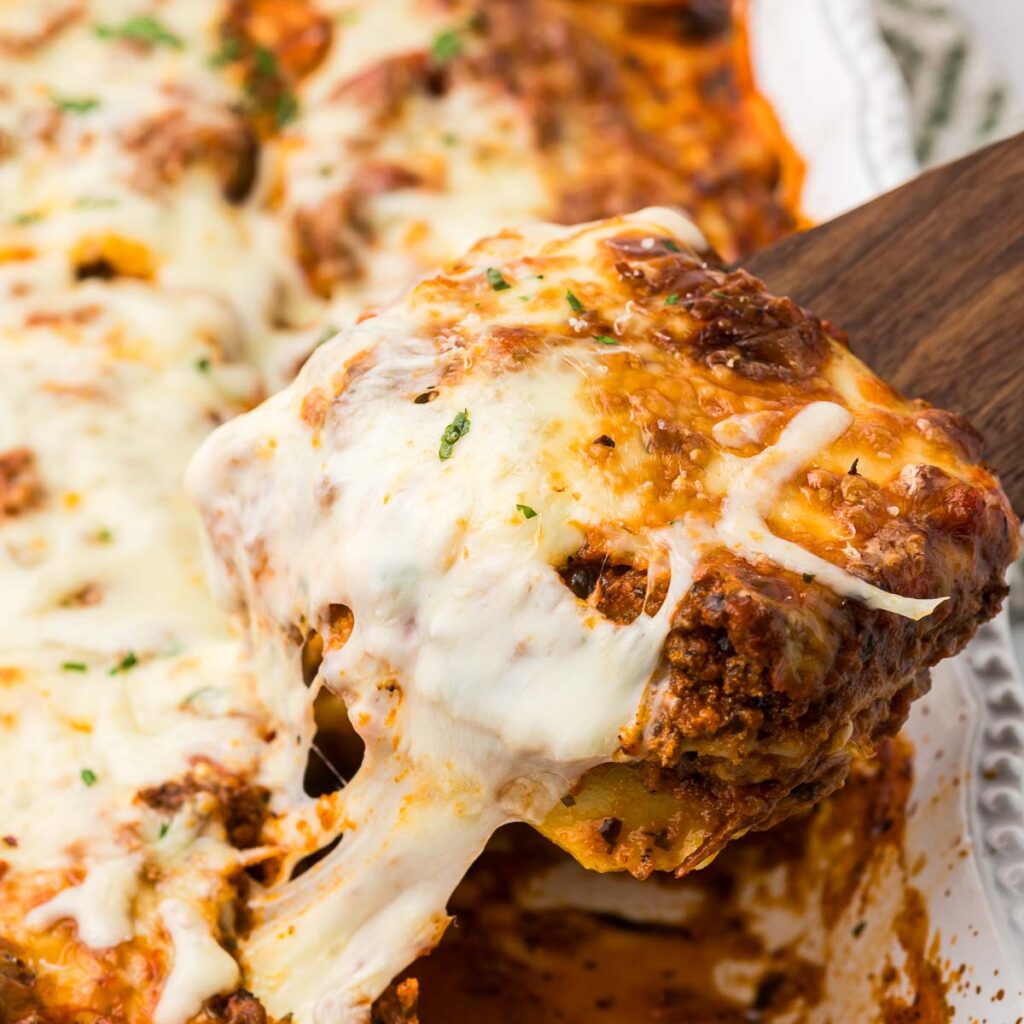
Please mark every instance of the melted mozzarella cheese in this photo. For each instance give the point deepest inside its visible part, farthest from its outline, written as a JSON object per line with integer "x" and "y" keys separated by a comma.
{"x": 489, "y": 721}
{"x": 200, "y": 968}
{"x": 101, "y": 906}
{"x": 481, "y": 685}
{"x": 117, "y": 671}
{"x": 754, "y": 485}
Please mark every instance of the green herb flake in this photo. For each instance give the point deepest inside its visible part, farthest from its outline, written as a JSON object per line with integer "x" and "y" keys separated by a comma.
{"x": 286, "y": 109}
{"x": 95, "y": 202}
{"x": 672, "y": 300}
{"x": 164, "y": 829}
{"x": 88, "y": 776}
{"x": 31, "y": 217}
{"x": 528, "y": 513}
{"x": 453, "y": 433}
{"x": 203, "y": 365}
{"x": 446, "y": 46}
{"x": 808, "y": 577}
{"x": 671, "y": 245}
{"x": 143, "y": 28}
{"x": 719, "y": 294}
{"x": 498, "y": 283}
{"x": 574, "y": 304}
{"x": 127, "y": 662}
{"x": 229, "y": 52}
{"x": 265, "y": 62}
{"x": 73, "y": 104}
{"x": 104, "y": 536}
{"x": 450, "y": 139}
{"x": 75, "y": 666}
{"x": 606, "y": 339}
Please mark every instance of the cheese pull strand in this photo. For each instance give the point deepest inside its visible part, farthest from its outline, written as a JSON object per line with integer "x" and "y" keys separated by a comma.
{"x": 328, "y": 943}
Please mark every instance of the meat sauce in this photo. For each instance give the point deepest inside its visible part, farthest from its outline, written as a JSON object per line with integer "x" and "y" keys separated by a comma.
{"x": 753, "y": 940}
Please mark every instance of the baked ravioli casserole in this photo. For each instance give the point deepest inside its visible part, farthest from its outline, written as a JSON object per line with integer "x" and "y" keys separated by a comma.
{"x": 590, "y": 535}
{"x": 583, "y": 531}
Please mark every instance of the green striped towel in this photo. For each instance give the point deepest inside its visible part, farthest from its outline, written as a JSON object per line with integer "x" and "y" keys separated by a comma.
{"x": 959, "y": 98}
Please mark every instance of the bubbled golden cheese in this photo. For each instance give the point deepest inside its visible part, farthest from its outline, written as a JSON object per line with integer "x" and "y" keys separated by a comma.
{"x": 470, "y": 474}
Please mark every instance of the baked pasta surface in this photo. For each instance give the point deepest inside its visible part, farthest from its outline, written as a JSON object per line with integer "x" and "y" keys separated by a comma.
{"x": 195, "y": 195}
{"x": 594, "y": 536}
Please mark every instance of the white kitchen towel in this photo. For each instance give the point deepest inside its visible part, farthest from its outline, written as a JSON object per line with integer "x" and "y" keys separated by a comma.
{"x": 949, "y": 53}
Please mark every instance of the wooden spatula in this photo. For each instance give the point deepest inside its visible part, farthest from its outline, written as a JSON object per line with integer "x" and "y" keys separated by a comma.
{"x": 928, "y": 281}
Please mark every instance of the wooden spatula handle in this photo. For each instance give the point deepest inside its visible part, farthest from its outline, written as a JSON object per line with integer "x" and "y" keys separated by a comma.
{"x": 928, "y": 281}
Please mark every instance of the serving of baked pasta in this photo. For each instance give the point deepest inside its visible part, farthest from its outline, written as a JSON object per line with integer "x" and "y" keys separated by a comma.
{"x": 582, "y": 530}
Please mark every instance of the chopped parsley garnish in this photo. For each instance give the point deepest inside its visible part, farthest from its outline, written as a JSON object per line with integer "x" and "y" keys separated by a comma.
{"x": 808, "y": 577}
{"x": 574, "y": 304}
{"x": 265, "y": 61}
{"x": 671, "y": 245}
{"x": 127, "y": 662}
{"x": 75, "y": 105}
{"x": 104, "y": 536}
{"x": 95, "y": 202}
{"x": 453, "y": 433}
{"x": 498, "y": 283}
{"x": 229, "y": 52}
{"x": 286, "y": 109}
{"x": 672, "y": 300}
{"x": 719, "y": 294}
{"x": 446, "y": 46}
{"x": 143, "y": 28}
{"x": 450, "y": 139}
{"x": 606, "y": 339}
{"x": 528, "y": 513}
{"x": 853, "y": 467}
{"x": 265, "y": 88}
{"x": 203, "y": 364}
{"x": 164, "y": 829}
{"x": 75, "y": 666}
{"x": 28, "y": 218}
{"x": 88, "y": 776}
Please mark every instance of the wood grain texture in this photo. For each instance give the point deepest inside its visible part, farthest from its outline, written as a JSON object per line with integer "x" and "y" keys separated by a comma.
{"x": 928, "y": 281}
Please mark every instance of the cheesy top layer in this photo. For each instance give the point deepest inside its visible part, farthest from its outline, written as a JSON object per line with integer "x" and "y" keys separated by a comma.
{"x": 131, "y": 291}
{"x": 170, "y": 175}
{"x": 411, "y": 498}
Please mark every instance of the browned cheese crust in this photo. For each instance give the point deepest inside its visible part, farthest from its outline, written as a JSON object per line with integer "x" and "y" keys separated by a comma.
{"x": 772, "y": 680}
{"x": 626, "y": 106}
